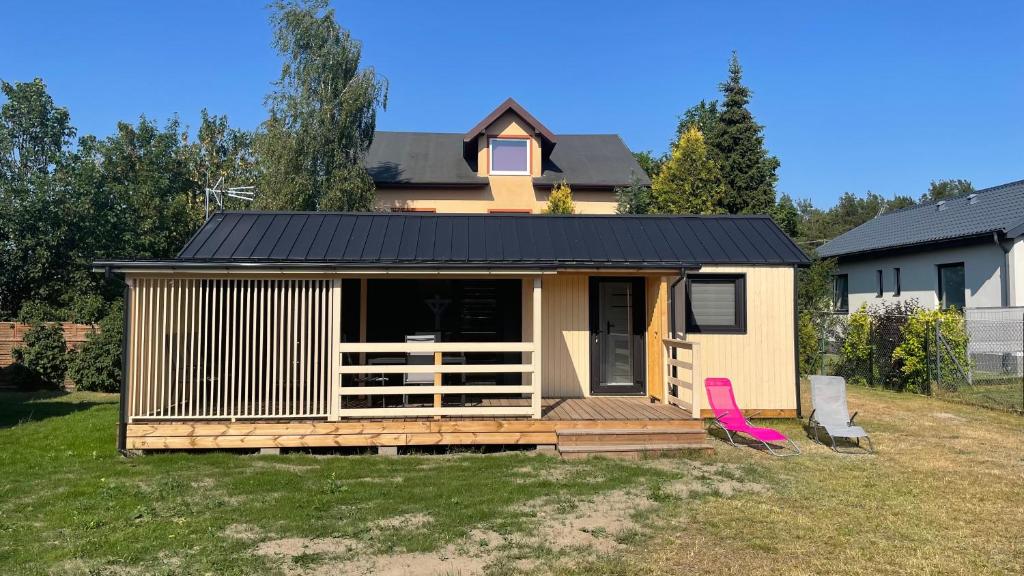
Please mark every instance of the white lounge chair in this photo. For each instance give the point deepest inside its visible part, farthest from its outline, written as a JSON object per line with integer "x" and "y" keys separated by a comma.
{"x": 828, "y": 395}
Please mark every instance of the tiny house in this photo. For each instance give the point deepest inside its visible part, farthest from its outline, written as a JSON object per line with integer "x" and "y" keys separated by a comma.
{"x": 582, "y": 333}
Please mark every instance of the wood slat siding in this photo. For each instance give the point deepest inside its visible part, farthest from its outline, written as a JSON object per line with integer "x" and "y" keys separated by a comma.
{"x": 760, "y": 363}
{"x": 229, "y": 348}
{"x": 566, "y": 336}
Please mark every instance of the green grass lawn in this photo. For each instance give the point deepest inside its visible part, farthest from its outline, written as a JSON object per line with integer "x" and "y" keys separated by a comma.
{"x": 945, "y": 494}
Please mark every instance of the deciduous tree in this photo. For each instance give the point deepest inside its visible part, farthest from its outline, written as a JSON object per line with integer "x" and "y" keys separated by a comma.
{"x": 323, "y": 114}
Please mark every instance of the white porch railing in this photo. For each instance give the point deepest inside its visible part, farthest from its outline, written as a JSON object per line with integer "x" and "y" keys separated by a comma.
{"x": 684, "y": 384}
{"x": 438, "y": 390}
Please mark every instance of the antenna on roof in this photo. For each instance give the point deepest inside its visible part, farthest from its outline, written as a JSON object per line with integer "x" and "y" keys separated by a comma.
{"x": 218, "y": 193}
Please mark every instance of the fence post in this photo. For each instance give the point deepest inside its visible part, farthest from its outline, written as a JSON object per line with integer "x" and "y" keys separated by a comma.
{"x": 938, "y": 353}
{"x": 1022, "y": 362}
{"x": 928, "y": 363}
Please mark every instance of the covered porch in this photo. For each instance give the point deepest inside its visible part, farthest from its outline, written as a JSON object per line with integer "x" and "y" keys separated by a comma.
{"x": 233, "y": 361}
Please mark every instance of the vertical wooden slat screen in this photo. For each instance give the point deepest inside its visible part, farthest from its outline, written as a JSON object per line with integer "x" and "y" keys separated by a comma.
{"x": 229, "y": 348}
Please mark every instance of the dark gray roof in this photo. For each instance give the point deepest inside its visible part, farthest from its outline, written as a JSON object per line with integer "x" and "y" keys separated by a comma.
{"x": 998, "y": 209}
{"x": 433, "y": 158}
{"x": 482, "y": 240}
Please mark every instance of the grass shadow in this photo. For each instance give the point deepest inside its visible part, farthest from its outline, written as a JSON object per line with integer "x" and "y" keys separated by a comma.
{"x": 21, "y": 407}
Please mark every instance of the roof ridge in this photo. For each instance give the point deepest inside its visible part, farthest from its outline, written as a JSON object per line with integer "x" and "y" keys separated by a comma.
{"x": 957, "y": 197}
{"x": 493, "y": 214}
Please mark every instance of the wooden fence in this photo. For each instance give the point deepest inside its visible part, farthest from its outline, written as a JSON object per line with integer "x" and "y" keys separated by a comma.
{"x": 12, "y": 336}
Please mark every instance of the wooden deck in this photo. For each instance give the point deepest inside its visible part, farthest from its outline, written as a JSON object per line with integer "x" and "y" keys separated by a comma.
{"x": 573, "y": 425}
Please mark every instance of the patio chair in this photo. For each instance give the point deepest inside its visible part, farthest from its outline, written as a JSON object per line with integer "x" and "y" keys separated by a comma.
{"x": 730, "y": 418}
{"x": 828, "y": 395}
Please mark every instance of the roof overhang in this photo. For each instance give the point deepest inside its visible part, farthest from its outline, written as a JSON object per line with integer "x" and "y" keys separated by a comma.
{"x": 379, "y": 268}
{"x": 548, "y": 139}
{"x": 981, "y": 238}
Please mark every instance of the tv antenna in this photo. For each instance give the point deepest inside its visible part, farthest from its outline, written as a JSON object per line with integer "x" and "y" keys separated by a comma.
{"x": 218, "y": 193}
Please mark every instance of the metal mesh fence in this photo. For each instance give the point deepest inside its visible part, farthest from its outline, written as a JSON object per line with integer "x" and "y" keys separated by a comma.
{"x": 977, "y": 358}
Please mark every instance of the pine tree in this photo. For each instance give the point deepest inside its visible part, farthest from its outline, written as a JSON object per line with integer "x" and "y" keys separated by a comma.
{"x": 748, "y": 171}
{"x": 560, "y": 200}
{"x": 690, "y": 181}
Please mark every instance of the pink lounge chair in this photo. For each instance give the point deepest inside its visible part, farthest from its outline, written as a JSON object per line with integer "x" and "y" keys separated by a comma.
{"x": 729, "y": 417}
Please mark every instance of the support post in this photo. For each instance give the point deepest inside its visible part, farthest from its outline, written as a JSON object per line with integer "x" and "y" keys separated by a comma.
{"x": 437, "y": 382}
{"x": 334, "y": 353}
{"x": 666, "y": 369}
{"x": 698, "y": 380}
{"x": 535, "y": 356}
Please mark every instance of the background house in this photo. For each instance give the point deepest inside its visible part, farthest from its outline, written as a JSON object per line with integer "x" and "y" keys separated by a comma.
{"x": 966, "y": 252}
{"x": 508, "y": 162}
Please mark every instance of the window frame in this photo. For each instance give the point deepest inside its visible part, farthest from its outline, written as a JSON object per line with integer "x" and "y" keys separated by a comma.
{"x": 529, "y": 157}
{"x": 940, "y": 292}
{"x": 836, "y": 304}
{"x": 880, "y": 281}
{"x": 897, "y": 283}
{"x": 740, "y": 287}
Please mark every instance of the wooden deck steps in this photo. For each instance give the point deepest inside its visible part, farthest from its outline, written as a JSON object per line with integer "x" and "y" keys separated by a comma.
{"x": 631, "y": 442}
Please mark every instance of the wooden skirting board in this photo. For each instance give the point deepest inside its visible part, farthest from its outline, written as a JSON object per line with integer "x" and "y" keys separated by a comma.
{"x": 251, "y": 435}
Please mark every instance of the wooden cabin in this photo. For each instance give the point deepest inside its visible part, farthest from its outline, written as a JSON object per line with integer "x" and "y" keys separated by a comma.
{"x": 581, "y": 333}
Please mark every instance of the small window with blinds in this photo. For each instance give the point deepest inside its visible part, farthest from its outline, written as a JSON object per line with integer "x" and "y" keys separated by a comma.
{"x": 716, "y": 304}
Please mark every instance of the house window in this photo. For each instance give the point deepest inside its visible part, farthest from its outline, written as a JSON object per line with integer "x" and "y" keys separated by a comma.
{"x": 407, "y": 209}
{"x": 896, "y": 282}
{"x": 716, "y": 304}
{"x": 510, "y": 156}
{"x": 841, "y": 292}
{"x": 509, "y": 211}
{"x": 878, "y": 283}
{"x": 951, "y": 285}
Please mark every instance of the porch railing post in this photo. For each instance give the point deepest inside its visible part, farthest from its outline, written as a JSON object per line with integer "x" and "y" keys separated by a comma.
{"x": 335, "y": 354}
{"x": 535, "y": 355}
{"x": 667, "y": 369}
{"x": 698, "y": 380}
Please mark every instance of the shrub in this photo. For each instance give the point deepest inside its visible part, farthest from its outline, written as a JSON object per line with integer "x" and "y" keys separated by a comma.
{"x": 857, "y": 346}
{"x": 560, "y": 200}
{"x": 97, "y": 365}
{"x": 810, "y": 355}
{"x": 44, "y": 356}
{"x": 918, "y": 334}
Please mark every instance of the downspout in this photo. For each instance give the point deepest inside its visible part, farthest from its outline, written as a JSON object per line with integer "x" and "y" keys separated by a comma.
{"x": 1005, "y": 272}
{"x": 672, "y": 298}
{"x": 796, "y": 338}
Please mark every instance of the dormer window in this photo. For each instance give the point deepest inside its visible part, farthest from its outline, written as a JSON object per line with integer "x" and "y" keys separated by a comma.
{"x": 510, "y": 156}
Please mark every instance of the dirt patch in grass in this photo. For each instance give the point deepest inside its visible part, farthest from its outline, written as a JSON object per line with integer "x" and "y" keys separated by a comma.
{"x": 289, "y": 548}
{"x": 405, "y": 521}
{"x": 262, "y": 462}
{"x": 246, "y": 532}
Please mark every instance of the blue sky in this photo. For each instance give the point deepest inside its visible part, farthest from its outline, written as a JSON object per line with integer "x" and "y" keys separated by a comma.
{"x": 855, "y": 96}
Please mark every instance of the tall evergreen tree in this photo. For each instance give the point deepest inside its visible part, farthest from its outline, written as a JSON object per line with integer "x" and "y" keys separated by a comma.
{"x": 748, "y": 170}
{"x": 689, "y": 182}
{"x": 322, "y": 115}
{"x": 702, "y": 115}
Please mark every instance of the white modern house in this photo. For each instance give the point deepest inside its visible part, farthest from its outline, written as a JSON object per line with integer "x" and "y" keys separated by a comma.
{"x": 966, "y": 252}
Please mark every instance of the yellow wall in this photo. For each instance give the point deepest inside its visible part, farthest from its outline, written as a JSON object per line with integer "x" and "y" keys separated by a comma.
{"x": 565, "y": 336}
{"x": 501, "y": 192}
{"x": 761, "y": 362}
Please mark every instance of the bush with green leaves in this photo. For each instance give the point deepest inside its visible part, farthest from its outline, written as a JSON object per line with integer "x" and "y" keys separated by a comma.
{"x": 44, "y": 356}
{"x": 857, "y": 346}
{"x": 97, "y": 365}
{"x": 810, "y": 353}
{"x": 918, "y": 334}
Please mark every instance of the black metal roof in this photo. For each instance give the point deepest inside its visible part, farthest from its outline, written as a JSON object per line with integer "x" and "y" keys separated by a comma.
{"x": 408, "y": 240}
{"x": 997, "y": 209}
{"x": 433, "y": 158}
